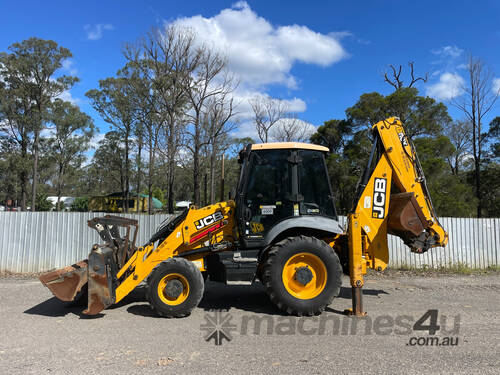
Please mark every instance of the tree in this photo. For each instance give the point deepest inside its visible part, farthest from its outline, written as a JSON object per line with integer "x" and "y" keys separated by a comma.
{"x": 217, "y": 126}
{"x": 143, "y": 97}
{"x": 9, "y": 165}
{"x": 30, "y": 71}
{"x": 476, "y": 102}
{"x": 421, "y": 115}
{"x": 165, "y": 59}
{"x": 267, "y": 112}
{"x": 72, "y": 132}
{"x": 349, "y": 147}
{"x": 494, "y": 136}
{"x": 42, "y": 203}
{"x": 113, "y": 104}
{"x": 15, "y": 130}
{"x": 333, "y": 134}
{"x": 291, "y": 129}
{"x": 459, "y": 134}
{"x": 109, "y": 156}
{"x": 80, "y": 204}
{"x": 210, "y": 80}
{"x": 451, "y": 195}
{"x": 396, "y": 80}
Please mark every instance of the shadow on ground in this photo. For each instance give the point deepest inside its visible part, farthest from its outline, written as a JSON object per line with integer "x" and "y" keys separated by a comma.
{"x": 54, "y": 307}
{"x": 217, "y": 296}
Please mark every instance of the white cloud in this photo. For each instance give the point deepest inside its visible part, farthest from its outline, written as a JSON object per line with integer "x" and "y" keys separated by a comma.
{"x": 496, "y": 85}
{"x": 242, "y": 99}
{"x": 66, "y": 96}
{"x": 95, "y": 32}
{"x": 304, "y": 130}
{"x": 448, "y": 51}
{"x": 94, "y": 142}
{"x": 450, "y": 85}
{"x": 68, "y": 66}
{"x": 301, "y": 129}
{"x": 260, "y": 53}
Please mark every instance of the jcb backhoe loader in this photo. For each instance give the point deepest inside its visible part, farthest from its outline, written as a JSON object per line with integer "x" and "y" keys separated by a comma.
{"x": 281, "y": 228}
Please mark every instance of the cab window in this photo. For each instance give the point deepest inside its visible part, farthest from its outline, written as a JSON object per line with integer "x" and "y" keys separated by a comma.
{"x": 314, "y": 186}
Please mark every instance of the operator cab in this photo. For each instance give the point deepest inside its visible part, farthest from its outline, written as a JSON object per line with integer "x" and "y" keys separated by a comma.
{"x": 282, "y": 187}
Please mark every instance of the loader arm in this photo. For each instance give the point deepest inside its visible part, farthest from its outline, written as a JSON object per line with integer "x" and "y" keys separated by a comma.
{"x": 116, "y": 267}
{"x": 391, "y": 198}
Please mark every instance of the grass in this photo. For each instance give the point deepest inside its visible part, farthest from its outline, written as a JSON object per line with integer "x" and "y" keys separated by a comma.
{"x": 456, "y": 268}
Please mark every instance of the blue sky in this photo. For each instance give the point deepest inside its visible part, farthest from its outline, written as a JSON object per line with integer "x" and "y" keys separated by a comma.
{"x": 319, "y": 56}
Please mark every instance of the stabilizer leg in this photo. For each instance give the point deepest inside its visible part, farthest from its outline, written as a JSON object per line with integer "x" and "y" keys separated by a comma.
{"x": 357, "y": 302}
{"x": 356, "y": 263}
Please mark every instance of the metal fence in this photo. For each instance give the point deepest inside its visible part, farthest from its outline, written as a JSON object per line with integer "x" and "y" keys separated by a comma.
{"x": 39, "y": 241}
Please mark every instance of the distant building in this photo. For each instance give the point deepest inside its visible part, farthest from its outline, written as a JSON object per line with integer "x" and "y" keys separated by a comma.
{"x": 181, "y": 205}
{"x": 114, "y": 202}
{"x": 66, "y": 201}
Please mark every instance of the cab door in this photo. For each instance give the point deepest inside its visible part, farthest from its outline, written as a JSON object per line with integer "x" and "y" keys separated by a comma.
{"x": 268, "y": 197}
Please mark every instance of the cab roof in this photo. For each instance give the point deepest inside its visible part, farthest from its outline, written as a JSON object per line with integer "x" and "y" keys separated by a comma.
{"x": 288, "y": 145}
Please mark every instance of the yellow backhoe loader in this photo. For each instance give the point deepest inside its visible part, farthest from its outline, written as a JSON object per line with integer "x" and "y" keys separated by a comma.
{"x": 280, "y": 228}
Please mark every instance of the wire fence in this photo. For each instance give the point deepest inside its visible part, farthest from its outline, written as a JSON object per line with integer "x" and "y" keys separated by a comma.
{"x": 39, "y": 241}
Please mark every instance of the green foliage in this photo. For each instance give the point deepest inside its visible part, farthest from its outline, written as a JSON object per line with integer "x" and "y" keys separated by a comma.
{"x": 42, "y": 203}
{"x": 490, "y": 175}
{"x": 494, "y": 135}
{"x": 160, "y": 195}
{"x": 30, "y": 84}
{"x": 350, "y": 149}
{"x": 425, "y": 120}
{"x": 421, "y": 115}
{"x": 333, "y": 134}
{"x": 80, "y": 204}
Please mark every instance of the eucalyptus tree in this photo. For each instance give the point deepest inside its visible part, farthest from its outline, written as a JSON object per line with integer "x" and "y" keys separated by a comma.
{"x": 210, "y": 80}
{"x": 30, "y": 70}
{"x": 111, "y": 101}
{"x": 69, "y": 140}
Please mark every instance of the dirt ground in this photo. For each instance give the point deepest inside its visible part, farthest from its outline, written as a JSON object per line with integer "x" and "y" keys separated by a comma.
{"x": 41, "y": 335}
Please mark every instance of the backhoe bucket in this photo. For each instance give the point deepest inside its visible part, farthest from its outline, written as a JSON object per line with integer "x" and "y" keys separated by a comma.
{"x": 406, "y": 215}
{"x": 65, "y": 283}
{"x": 407, "y": 221}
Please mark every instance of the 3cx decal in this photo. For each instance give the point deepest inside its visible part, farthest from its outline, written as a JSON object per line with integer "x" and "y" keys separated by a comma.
{"x": 379, "y": 196}
{"x": 402, "y": 138}
{"x": 208, "y": 220}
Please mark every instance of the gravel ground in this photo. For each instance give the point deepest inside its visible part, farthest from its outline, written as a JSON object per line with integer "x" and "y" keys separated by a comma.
{"x": 40, "y": 334}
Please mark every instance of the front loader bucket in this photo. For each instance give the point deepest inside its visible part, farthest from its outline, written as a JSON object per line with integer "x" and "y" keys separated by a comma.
{"x": 66, "y": 282}
{"x": 100, "y": 270}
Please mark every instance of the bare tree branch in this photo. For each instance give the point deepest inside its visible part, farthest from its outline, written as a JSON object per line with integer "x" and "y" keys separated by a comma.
{"x": 396, "y": 81}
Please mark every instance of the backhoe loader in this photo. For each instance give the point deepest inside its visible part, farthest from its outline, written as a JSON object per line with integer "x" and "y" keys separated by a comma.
{"x": 281, "y": 228}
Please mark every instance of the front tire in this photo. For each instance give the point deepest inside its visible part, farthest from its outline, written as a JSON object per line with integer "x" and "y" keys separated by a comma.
{"x": 302, "y": 275}
{"x": 175, "y": 288}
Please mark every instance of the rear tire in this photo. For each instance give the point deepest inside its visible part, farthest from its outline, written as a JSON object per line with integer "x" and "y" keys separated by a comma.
{"x": 302, "y": 275}
{"x": 175, "y": 288}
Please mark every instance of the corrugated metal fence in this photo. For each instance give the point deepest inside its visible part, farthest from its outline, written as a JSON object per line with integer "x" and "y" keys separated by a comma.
{"x": 34, "y": 242}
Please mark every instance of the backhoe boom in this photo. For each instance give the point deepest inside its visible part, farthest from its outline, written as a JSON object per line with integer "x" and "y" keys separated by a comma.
{"x": 392, "y": 198}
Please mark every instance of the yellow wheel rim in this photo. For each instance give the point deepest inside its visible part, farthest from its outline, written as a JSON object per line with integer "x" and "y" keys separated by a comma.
{"x": 163, "y": 283}
{"x": 312, "y": 288}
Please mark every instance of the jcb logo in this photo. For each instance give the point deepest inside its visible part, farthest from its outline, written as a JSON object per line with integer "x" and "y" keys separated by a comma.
{"x": 379, "y": 193}
{"x": 208, "y": 220}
